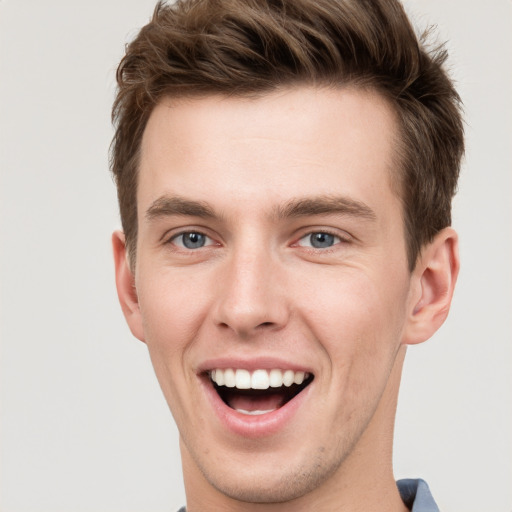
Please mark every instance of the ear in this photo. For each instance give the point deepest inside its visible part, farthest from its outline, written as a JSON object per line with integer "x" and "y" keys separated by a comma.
{"x": 432, "y": 284}
{"x": 125, "y": 284}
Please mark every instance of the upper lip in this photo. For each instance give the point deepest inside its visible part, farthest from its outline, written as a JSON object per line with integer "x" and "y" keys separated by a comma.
{"x": 252, "y": 364}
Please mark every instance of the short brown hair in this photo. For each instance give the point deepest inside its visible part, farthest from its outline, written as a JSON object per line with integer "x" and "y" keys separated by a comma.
{"x": 247, "y": 47}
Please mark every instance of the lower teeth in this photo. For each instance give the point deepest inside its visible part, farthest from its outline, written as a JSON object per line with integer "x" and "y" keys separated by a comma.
{"x": 269, "y": 400}
{"x": 254, "y": 413}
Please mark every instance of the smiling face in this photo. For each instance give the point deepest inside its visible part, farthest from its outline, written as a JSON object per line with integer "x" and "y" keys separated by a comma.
{"x": 272, "y": 287}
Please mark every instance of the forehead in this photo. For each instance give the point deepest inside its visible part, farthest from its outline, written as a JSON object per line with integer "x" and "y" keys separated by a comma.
{"x": 257, "y": 151}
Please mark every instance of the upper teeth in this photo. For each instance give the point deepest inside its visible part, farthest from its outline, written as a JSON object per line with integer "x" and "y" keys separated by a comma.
{"x": 258, "y": 379}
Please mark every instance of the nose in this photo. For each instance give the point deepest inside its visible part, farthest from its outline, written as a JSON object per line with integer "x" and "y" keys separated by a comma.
{"x": 251, "y": 295}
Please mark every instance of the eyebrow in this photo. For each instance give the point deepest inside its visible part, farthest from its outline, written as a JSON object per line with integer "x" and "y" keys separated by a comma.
{"x": 166, "y": 206}
{"x": 322, "y": 205}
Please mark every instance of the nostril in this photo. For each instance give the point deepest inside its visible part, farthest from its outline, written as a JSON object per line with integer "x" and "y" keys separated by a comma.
{"x": 242, "y": 329}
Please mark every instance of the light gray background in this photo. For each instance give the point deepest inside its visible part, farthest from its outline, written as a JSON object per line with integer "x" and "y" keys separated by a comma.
{"x": 83, "y": 424}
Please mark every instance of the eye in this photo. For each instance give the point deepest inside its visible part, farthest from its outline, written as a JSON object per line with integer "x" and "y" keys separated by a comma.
{"x": 319, "y": 240}
{"x": 191, "y": 240}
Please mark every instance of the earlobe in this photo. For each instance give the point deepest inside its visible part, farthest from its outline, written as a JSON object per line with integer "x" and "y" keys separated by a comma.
{"x": 432, "y": 285}
{"x": 125, "y": 284}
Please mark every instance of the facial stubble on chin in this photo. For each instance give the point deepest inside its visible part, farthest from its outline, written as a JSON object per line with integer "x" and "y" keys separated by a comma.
{"x": 292, "y": 483}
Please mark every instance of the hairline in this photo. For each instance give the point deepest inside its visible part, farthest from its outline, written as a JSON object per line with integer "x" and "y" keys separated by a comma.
{"x": 396, "y": 167}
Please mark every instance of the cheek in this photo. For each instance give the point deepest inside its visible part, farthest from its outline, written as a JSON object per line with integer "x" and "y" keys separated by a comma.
{"x": 359, "y": 321}
{"x": 355, "y": 300}
{"x": 173, "y": 308}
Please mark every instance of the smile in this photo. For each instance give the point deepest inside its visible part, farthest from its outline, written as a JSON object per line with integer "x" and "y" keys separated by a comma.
{"x": 259, "y": 392}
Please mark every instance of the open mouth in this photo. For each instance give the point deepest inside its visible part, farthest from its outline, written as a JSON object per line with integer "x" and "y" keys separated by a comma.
{"x": 258, "y": 392}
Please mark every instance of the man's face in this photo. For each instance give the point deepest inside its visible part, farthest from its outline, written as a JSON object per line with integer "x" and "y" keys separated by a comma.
{"x": 271, "y": 249}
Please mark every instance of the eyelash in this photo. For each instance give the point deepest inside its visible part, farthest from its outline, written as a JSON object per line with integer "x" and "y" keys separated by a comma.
{"x": 173, "y": 238}
{"x": 339, "y": 239}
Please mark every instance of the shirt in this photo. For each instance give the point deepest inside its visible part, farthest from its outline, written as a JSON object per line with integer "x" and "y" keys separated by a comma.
{"x": 416, "y": 495}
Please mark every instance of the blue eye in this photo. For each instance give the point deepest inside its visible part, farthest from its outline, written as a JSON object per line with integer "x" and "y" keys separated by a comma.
{"x": 319, "y": 240}
{"x": 191, "y": 240}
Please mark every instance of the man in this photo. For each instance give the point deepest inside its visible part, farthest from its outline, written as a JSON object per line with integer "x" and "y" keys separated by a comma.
{"x": 285, "y": 171}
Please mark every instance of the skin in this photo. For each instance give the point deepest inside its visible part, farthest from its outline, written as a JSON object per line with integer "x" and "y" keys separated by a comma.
{"x": 258, "y": 288}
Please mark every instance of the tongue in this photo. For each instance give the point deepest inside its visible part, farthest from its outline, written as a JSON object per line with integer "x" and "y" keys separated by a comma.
{"x": 267, "y": 402}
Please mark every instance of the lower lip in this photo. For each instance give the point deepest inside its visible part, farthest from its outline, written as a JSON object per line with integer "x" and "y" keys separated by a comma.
{"x": 254, "y": 426}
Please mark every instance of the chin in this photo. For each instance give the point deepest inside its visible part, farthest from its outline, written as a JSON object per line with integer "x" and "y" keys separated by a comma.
{"x": 275, "y": 482}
